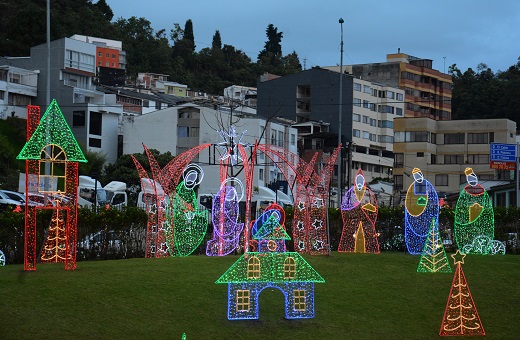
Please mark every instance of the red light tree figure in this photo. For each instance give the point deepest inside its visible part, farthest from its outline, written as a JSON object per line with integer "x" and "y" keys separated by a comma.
{"x": 359, "y": 214}
{"x": 461, "y": 316}
{"x": 51, "y": 155}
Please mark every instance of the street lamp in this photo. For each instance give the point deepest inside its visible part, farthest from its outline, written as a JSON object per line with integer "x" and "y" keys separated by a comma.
{"x": 340, "y": 160}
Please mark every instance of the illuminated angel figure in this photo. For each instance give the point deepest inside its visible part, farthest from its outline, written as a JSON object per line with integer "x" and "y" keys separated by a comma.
{"x": 359, "y": 213}
{"x": 474, "y": 213}
{"x": 226, "y": 229}
{"x": 186, "y": 223}
{"x": 421, "y": 207}
{"x": 229, "y": 145}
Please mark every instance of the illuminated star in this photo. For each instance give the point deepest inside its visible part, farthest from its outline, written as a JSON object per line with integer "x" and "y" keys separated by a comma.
{"x": 300, "y": 225}
{"x": 317, "y": 224}
{"x": 301, "y": 245}
{"x": 318, "y": 202}
{"x": 318, "y": 245}
{"x": 458, "y": 257}
{"x": 229, "y": 145}
{"x": 301, "y": 205}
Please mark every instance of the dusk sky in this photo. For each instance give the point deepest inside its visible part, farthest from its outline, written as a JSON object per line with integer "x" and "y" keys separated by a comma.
{"x": 462, "y": 32}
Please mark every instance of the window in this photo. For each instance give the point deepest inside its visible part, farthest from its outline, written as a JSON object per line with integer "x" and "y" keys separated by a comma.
{"x": 386, "y": 124}
{"x": 94, "y": 142}
{"x": 57, "y": 160}
{"x": 113, "y": 56}
{"x": 357, "y": 102}
{"x": 398, "y": 181}
{"x": 366, "y": 104}
{"x": 194, "y": 131}
{"x": 146, "y": 103}
{"x": 107, "y": 64}
{"x": 253, "y": 268}
{"x": 356, "y": 117}
{"x": 357, "y": 87}
{"x": 273, "y": 137}
{"x": 300, "y": 303}
{"x": 478, "y": 159}
{"x": 78, "y": 118}
{"x": 453, "y": 159}
{"x": 280, "y": 138}
{"x": 100, "y": 54}
{"x": 433, "y": 159}
{"x": 478, "y": 138}
{"x": 365, "y": 119}
{"x": 2, "y": 93}
{"x": 390, "y": 94}
{"x": 373, "y": 122}
{"x": 183, "y": 131}
{"x": 386, "y": 139}
{"x": 95, "y": 123}
{"x": 398, "y": 111}
{"x": 293, "y": 139}
{"x": 356, "y": 133}
{"x": 399, "y": 96}
{"x": 454, "y": 138}
{"x": 107, "y": 55}
{"x": 367, "y": 89}
{"x": 243, "y": 303}
{"x": 420, "y": 154}
{"x": 366, "y": 135}
{"x": 289, "y": 268}
{"x": 261, "y": 174}
{"x": 441, "y": 180}
{"x": 399, "y": 160}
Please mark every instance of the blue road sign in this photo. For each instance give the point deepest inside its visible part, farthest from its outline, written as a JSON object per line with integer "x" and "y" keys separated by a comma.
{"x": 503, "y": 152}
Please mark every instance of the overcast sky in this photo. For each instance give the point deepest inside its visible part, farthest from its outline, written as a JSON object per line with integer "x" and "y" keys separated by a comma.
{"x": 462, "y": 32}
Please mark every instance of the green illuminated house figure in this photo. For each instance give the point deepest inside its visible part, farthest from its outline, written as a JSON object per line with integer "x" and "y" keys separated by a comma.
{"x": 255, "y": 271}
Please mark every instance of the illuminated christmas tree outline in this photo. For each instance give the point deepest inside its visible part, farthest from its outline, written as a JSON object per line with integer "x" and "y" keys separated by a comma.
{"x": 55, "y": 248}
{"x": 433, "y": 258}
{"x": 460, "y": 316}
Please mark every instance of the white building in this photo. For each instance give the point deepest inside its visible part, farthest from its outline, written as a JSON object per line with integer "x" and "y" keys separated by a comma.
{"x": 177, "y": 129}
{"x": 18, "y": 88}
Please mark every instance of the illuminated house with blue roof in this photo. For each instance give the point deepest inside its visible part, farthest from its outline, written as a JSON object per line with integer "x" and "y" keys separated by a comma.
{"x": 270, "y": 268}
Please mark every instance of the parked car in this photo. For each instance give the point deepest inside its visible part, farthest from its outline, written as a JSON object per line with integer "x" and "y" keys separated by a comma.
{"x": 7, "y": 203}
{"x": 101, "y": 243}
{"x": 51, "y": 199}
{"x": 20, "y": 197}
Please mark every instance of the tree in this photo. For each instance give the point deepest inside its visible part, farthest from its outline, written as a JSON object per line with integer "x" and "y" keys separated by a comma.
{"x": 273, "y": 44}
{"x": 216, "y": 44}
{"x": 105, "y": 9}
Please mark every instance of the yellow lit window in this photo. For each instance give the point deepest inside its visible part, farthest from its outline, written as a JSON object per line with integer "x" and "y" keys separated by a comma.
{"x": 242, "y": 301}
{"x": 289, "y": 268}
{"x": 253, "y": 268}
{"x": 300, "y": 302}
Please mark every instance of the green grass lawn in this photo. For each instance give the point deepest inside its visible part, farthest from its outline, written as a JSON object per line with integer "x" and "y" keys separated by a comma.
{"x": 365, "y": 296}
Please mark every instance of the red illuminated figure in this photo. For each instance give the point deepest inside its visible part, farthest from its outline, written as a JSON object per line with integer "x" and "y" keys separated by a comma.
{"x": 359, "y": 213}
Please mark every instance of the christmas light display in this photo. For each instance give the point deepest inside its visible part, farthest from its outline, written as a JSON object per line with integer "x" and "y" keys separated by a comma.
{"x": 433, "y": 258}
{"x": 54, "y": 248}
{"x": 483, "y": 245}
{"x": 163, "y": 183}
{"x": 460, "y": 316}
{"x": 310, "y": 230}
{"x": 2, "y": 258}
{"x": 255, "y": 271}
{"x": 51, "y": 142}
{"x": 186, "y": 223}
{"x": 359, "y": 214}
{"x": 226, "y": 229}
{"x": 474, "y": 214}
{"x": 272, "y": 211}
{"x": 421, "y": 206}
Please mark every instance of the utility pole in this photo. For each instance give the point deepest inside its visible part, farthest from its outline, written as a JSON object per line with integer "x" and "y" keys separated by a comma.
{"x": 340, "y": 158}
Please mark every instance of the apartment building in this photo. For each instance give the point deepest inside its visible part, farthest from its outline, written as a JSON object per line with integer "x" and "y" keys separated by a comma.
{"x": 427, "y": 91}
{"x": 444, "y": 149}
{"x": 18, "y": 88}
{"x": 91, "y": 114}
{"x": 310, "y": 99}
